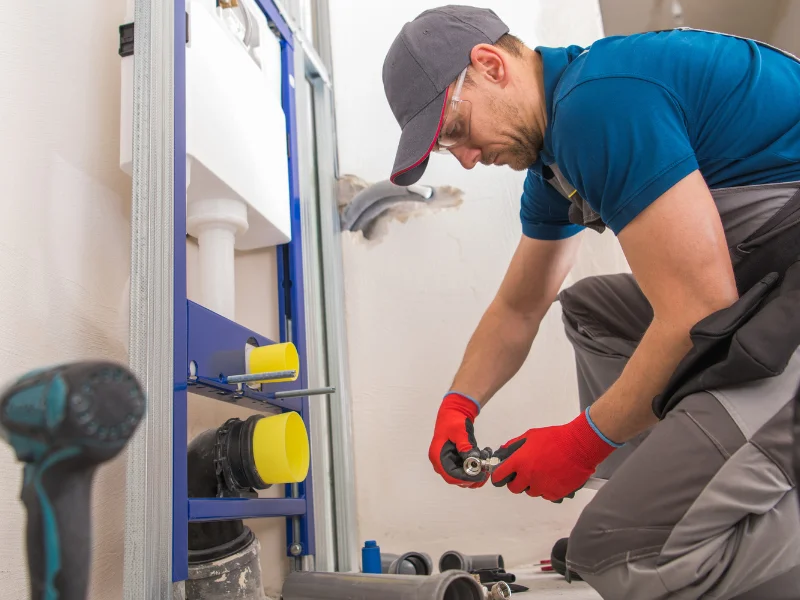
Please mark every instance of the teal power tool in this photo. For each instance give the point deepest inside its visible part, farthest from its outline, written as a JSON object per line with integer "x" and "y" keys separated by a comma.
{"x": 63, "y": 422}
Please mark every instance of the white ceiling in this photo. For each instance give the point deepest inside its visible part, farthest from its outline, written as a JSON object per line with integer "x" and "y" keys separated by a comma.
{"x": 758, "y": 19}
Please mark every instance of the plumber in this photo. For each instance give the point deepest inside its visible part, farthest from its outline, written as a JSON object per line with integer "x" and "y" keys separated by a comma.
{"x": 685, "y": 145}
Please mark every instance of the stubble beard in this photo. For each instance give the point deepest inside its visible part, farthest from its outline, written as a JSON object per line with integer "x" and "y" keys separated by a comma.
{"x": 527, "y": 140}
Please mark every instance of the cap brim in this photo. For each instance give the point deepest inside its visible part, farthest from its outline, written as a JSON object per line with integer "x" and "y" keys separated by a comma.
{"x": 417, "y": 141}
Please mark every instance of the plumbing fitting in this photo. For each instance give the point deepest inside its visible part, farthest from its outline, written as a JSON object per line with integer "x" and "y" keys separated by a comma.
{"x": 310, "y": 585}
{"x": 498, "y": 591}
{"x": 455, "y": 561}
{"x": 475, "y": 466}
{"x": 370, "y": 203}
{"x": 236, "y": 460}
{"x": 410, "y": 563}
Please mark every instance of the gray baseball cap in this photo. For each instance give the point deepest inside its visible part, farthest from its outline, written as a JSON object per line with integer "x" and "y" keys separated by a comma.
{"x": 427, "y": 55}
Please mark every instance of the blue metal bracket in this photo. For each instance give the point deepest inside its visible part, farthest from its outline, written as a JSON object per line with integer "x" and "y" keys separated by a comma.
{"x": 220, "y": 509}
{"x": 216, "y": 345}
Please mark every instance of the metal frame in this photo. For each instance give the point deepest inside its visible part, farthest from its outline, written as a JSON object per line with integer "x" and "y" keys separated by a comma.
{"x": 178, "y": 346}
{"x": 335, "y": 495}
{"x": 215, "y": 346}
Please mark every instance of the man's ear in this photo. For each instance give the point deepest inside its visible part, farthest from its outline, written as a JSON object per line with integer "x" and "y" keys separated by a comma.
{"x": 489, "y": 63}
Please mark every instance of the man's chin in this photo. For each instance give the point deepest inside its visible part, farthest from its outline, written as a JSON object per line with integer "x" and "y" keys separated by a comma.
{"x": 521, "y": 164}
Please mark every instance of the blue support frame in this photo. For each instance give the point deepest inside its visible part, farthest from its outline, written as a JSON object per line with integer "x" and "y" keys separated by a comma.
{"x": 180, "y": 492}
{"x": 216, "y": 345}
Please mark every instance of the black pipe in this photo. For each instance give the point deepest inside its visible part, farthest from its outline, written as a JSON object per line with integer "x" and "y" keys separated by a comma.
{"x": 453, "y": 560}
{"x": 220, "y": 464}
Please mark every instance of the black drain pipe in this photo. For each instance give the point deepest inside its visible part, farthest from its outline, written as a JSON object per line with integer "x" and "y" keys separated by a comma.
{"x": 220, "y": 464}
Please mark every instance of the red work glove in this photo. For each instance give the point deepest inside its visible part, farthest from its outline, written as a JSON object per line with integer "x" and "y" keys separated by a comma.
{"x": 552, "y": 462}
{"x": 454, "y": 441}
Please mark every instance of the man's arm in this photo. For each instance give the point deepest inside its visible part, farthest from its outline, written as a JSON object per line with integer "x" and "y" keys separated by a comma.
{"x": 506, "y": 331}
{"x": 677, "y": 252}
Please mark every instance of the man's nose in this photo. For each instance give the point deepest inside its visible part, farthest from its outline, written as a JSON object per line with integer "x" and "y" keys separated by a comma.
{"x": 468, "y": 157}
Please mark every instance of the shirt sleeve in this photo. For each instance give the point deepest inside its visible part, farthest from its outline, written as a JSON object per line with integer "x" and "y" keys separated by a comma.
{"x": 543, "y": 211}
{"x": 622, "y": 142}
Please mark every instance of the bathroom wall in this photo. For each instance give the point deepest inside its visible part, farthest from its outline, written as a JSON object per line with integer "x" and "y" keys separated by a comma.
{"x": 65, "y": 253}
{"x": 788, "y": 24}
{"x": 64, "y": 235}
{"x": 415, "y": 296}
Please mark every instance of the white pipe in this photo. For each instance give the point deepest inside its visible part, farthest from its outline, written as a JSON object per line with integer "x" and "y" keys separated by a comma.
{"x": 216, "y": 222}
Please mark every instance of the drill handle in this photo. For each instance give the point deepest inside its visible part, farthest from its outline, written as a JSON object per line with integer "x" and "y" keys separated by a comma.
{"x": 57, "y": 495}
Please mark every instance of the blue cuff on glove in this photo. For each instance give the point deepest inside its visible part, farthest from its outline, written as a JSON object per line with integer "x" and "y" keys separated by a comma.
{"x": 600, "y": 433}
{"x": 478, "y": 404}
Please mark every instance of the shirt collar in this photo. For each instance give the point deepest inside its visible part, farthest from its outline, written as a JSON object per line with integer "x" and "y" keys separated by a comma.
{"x": 554, "y": 63}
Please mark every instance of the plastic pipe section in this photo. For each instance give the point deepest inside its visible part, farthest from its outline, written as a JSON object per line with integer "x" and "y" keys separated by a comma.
{"x": 410, "y": 563}
{"x": 373, "y": 201}
{"x": 453, "y": 560}
{"x": 453, "y": 585}
{"x": 216, "y": 222}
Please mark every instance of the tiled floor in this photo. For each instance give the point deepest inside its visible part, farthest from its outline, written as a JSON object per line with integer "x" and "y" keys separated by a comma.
{"x": 547, "y": 585}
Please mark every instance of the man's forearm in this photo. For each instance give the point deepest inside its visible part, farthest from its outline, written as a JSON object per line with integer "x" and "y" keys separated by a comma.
{"x": 496, "y": 351}
{"x": 625, "y": 410}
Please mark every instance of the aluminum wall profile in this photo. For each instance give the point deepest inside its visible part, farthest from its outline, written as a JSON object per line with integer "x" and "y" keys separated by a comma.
{"x": 335, "y": 493}
{"x": 148, "y": 518}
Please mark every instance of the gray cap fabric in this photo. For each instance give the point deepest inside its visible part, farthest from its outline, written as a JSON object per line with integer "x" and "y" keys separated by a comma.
{"x": 427, "y": 55}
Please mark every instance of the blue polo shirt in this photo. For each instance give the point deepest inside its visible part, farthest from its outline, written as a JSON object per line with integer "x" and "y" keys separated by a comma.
{"x": 629, "y": 117}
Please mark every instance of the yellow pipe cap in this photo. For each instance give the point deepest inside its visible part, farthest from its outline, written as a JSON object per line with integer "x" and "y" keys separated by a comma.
{"x": 274, "y": 357}
{"x": 281, "y": 448}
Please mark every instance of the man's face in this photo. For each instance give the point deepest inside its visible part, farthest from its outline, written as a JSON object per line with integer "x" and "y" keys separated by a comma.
{"x": 499, "y": 133}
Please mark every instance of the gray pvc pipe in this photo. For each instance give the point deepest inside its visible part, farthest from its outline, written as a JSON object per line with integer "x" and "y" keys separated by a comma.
{"x": 309, "y": 585}
{"x": 371, "y": 202}
{"x": 453, "y": 560}
{"x": 391, "y": 564}
{"x": 410, "y": 563}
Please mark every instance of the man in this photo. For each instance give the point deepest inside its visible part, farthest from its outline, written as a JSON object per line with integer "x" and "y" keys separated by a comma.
{"x": 686, "y": 145}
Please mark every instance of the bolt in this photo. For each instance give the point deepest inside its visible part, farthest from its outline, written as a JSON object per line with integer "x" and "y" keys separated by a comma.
{"x": 296, "y": 549}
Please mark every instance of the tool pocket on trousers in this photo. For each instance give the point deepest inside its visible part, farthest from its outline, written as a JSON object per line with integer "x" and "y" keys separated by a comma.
{"x": 726, "y": 350}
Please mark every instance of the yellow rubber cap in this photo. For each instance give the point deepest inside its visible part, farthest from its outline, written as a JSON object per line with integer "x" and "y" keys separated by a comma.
{"x": 275, "y": 357}
{"x": 280, "y": 448}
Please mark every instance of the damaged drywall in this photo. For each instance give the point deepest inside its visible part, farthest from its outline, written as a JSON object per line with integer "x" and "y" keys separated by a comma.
{"x": 368, "y": 208}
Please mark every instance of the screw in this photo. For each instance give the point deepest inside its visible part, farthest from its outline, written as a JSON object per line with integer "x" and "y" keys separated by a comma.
{"x": 296, "y": 549}
{"x": 192, "y": 371}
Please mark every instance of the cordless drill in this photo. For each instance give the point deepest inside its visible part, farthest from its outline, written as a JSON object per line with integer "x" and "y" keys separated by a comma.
{"x": 63, "y": 422}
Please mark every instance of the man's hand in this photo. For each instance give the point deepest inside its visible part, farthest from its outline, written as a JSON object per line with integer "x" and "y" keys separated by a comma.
{"x": 454, "y": 441}
{"x": 552, "y": 462}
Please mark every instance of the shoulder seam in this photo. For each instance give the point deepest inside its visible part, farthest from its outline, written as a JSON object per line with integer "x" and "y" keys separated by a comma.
{"x": 676, "y": 98}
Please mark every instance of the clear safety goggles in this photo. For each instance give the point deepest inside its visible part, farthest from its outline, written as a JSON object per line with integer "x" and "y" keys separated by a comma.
{"x": 455, "y": 129}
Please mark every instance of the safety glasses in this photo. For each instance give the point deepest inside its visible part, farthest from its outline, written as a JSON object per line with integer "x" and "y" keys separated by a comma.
{"x": 455, "y": 129}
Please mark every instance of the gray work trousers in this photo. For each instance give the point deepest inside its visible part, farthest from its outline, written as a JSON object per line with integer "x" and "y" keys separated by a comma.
{"x": 704, "y": 505}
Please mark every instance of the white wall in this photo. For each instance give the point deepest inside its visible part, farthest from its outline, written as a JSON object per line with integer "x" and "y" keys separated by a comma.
{"x": 785, "y": 34}
{"x": 414, "y": 299}
{"x": 65, "y": 253}
{"x": 64, "y": 235}
{"x": 738, "y": 17}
